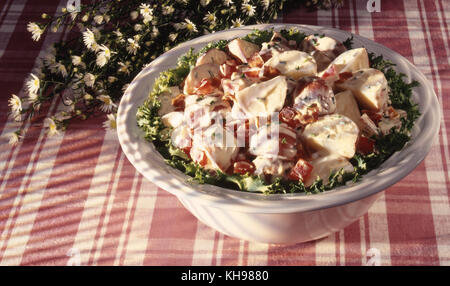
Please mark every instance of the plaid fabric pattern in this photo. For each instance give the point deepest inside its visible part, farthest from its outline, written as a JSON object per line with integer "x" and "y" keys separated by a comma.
{"x": 75, "y": 198}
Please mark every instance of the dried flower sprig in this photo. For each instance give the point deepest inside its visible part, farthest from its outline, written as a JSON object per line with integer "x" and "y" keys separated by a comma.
{"x": 111, "y": 41}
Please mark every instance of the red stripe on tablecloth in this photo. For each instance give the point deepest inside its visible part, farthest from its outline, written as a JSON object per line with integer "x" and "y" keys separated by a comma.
{"x": 443, "y": 71}
{"x": 296, "y": 254}
{"x": 93, "y": 251}
{"x": 355, "y": 16}
{"x": 117, "y": 214}
{"x": 131, "y": 218}
{"x": 62, "y": 205}
{"x": 403, "y": 225}
{"x": 172, "y": 233}
{"x": 442, "y": 10}
{"x": 245, "y": 254}
{"x": 215, "y": 248}
{"x": 345, "y": 21}
{"x": 352, "y": 244}
{"x": 337, "y": 247}
{"x": 300, "y": 16}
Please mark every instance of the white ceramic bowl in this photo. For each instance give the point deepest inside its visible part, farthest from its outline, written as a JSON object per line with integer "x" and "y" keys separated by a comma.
{"x": 280, "y": 218}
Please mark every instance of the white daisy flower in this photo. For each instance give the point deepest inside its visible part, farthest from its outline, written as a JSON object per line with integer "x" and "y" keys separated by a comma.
{"x": 52, "y": 128}
{"x": 266, "y": 4}
{"x": 48, "y": 59}
{"x": 33, "y": 97}
{"x": 228, "y": 2}
{"x": 173, "y": 37}
{"x": 59, "y": 68}
{"x": 13, "y": 138}
{"x": 76, "y": 60}
{"x": 110, "y": 124}
{"x": 35, "y": 30}
{"x": 123, "y": 68}
{"x": 145, "y": 10}
{"x": 133, "y": 46}
{"x": 237, "y": 23}
{"x": 107, "y": 104}
{"x": 167, "y": 10}
{"x": 205, "y": 2}
{"x": 89, "y": 79}
{"x": 190, "y": 26}
{"x": 248, "y": 9}
{"x": 138, "y": 27}
{"x": 134, "y": 15}
{"x": 98, "y": 19}
{"x": 15, "y": 105}
{"x": 112, "y": 79}
{"x": 210, "y": 18}
{"x": 89, "y": 40}
{"x": 103, "y": 56}
{"x": 155, "y": 32}
{"x": 33, "y": 84}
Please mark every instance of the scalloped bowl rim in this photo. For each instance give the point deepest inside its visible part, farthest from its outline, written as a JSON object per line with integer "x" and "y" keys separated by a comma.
{"x": 144, "y": 157}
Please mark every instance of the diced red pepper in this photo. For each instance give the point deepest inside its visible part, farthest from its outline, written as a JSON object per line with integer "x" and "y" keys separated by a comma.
{"x": 178, "y": 102}
{"x": 365, "y": 145}
{"x": 301, "y": 171}
{"x": 288, "y": 116}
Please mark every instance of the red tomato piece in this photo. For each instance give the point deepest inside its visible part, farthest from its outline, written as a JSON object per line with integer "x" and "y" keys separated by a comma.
{"x": 301, "y": 171}
{"x": 243, "y": 167}
{"x": 365, "y": 145}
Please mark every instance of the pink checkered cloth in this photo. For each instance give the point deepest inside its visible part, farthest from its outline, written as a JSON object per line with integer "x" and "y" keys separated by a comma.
{"x": 75, "y": 198}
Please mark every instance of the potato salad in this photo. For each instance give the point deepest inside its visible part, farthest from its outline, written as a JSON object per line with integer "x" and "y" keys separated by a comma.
{"x": 259, "y": 111}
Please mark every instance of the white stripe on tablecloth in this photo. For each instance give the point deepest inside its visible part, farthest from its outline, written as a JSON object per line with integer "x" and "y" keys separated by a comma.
{"x": 109, "y": 205}
{"x": 257, "y": 254}
{"x": 126, "y": 222}
{"x": 434, "y": 159}
{"x": 326, "y": 251}
{"x": 138, "y": 236}
{"x": 203, "y": 252}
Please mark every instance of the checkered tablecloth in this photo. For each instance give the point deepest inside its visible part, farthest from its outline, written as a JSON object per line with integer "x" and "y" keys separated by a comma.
{"x": 75, "y": 198}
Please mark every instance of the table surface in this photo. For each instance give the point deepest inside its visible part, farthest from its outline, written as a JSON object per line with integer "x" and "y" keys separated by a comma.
{"x": 75, "y": 198}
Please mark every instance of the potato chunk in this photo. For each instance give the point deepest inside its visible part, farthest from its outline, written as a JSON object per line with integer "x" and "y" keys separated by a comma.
{"x": 263, "y": 98}
{"x": 242, "y": 50}
{"x": 295, "y": 64}
{"x": 370, "y": 88}
{"x": 323, "y": 166}
{"x": 349, "y": 61}
{"x": 197, "y": 74}
{"x": 347, "y": 105}
{"x": 333, "y": 134}
{"x": 212, "y": 56}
